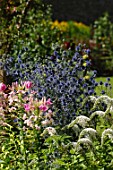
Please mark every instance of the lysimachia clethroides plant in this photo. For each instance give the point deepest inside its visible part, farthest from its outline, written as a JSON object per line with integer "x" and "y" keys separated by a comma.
{"x": 98, "y": 126}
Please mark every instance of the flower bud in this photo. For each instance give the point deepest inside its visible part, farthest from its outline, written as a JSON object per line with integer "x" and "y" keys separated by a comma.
{"x": 2, "y": 87}
{"x": 28, "y": 84}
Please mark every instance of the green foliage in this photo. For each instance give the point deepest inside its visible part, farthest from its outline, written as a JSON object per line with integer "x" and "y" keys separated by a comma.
{"x": 23, "y": 127}
{"x": 89, "y": 146}
{"x": 26, "y": 24}
{"x": 103, "y": 34}
{"x": 79, "y": 32}
{"x": 102, "y": 45}
{"x": 100, "y": 88}
{"x": 27, "y": 142}
{"x": 72, "y": 31}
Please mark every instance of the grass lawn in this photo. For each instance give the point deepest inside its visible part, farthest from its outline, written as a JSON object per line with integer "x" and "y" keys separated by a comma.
{"x": 102, "y": 87}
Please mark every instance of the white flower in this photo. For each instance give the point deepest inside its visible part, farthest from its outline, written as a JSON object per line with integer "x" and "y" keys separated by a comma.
{"x": 92, "y": 98}
{"x": 24, "y": 116}
{"x": 45, "y": 122}
{"x": 28, "y": 122}
{"x": 108, "y": 132}
{"x": 37, "y": 127}
{"x": 76, "y": 129}
{"x": 81, "y": 121}
{"x": 104, "y": 99}
{"x": 76, "y": 146}
{"x": 49, "y": 130}
{"x": 97, "y": 113}
{"x": 84, "y": 141}
{"x": 111, "y": 109}
{"x": 89, "y": 132}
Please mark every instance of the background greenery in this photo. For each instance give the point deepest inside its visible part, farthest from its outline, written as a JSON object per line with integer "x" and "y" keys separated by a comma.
{"x": 77, "y": 131}
{"x": 99, "y": 89}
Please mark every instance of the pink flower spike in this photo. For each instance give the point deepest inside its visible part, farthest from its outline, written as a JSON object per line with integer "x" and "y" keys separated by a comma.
{"x": 2, "y": 86}
{"x": 27, "y": 107}
{"x": 28, "y": 84}
{"x": 43, "y": 107}
{"x": 48, "y": 102}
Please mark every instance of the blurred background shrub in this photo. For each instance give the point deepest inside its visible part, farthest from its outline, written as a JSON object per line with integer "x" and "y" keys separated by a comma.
{"x": 101, "y": 44}
{"x": 26, "y": 24}
{"x": 74, "y": 31}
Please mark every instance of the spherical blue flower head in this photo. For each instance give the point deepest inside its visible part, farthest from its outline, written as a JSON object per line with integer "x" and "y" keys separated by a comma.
{"x": 64, "y": 54}
{"x": 80, "y": 80}
{"x": 55, "y": 53}
{"x": 88, "y": 63}
{"x": 78, "y": 48}
{"x": 73, "y": 114}
{"x": 19, "y": 61}
{"x": 86, "y": 93}
{"x": 95, "y": 71}
{"x": 53, "y": 57}
{"x": 90, "y": 92}
{"x": 103, "y": 92}
{"x": 110, "y": 87}
{"x": 101, "y": 83}
{"x": 85, "y": 85}
{"x": 19, "y": 56}
{"x": 15, "y": 120}
{"x": 75, "y": 57}
{"x": 22, "y": 66}
{"x": 96, "y": 84}
{"x": 87, "y": 106}
{"x": 1, "y": 65}
{"x": 108, "y": 79}
{"x": 10, "y": 59}
{"x": 106, "y": 84}
{"x": 88, "y": 51}
{"x": 25, "y": 49}
{"x": 92, "y": 80}
{"x": 7, "y": 62}
{"x": 16, "y": 72}
{"x": 27, "y": 65}
{"x": 70, "y": 63}
{"x": 21, "y": 75}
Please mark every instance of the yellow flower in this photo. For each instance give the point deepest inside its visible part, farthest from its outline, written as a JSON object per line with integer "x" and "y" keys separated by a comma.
{"x": 86, "y": 77}
{"x": 62, "y": 26}
{"x": 85, "y": 56}
{"x": 84, "y": 64}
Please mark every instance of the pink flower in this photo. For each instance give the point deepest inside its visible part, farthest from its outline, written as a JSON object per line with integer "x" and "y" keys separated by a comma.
{"x": 2, "y": 86}
{"x": 48, "y": 102}
{"x": 37, "y": 127}
{"x": 28, "y": 84}
{"x": 14, "y": 9}
{"x": 45, "y": 122}
{"x": 28, "y": 122}
{"x": 24, "y": 116}
{"x": 27, "y": 107}
{"x": 43, "y": 107}
{"x": 49, "y": 114}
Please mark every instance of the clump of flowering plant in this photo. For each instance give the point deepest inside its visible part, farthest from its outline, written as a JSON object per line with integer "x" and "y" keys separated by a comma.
{"x": 23, "y": 118}
{"x": 65, "y": 77}
{"x": 19, "y": 103}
